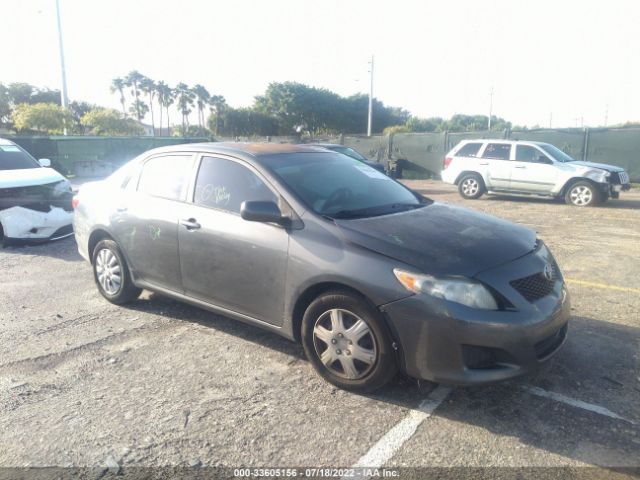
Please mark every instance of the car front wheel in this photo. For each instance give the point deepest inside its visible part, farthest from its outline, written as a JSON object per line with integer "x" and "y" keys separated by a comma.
{"x": 582, "y": 194}
{"x": 346, "y": 341}
{"x": 471, "y": 186}
{"x": 111, "y": 273}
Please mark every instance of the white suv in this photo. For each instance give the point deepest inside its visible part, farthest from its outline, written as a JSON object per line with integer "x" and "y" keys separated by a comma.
{"x": 530, "y": 168}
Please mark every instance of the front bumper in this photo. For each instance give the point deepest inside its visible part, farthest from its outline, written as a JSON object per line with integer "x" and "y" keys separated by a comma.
{"x": 450, "y": 343}
{"x": 24, "y": 225}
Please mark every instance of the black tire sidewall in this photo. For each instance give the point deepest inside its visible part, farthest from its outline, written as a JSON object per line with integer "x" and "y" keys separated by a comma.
{"x": 128, "y": 291}
{"x": 385, "y": 367}
{"x": 478, "y": 179}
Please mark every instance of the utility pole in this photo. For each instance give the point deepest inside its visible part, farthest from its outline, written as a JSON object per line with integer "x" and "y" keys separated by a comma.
{"x": 370, "y": 99}
{"x": 606, "y": 114}
{"x": 63, "y": 91}
{"x": 550, "y": 119}
{"x": 490, "y": 107}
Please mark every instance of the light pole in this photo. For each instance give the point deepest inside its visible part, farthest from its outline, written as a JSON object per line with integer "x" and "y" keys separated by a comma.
{"x": 63, "y": 92}
{"x": 370, "y": 99}
{"x": 490, "y": 107}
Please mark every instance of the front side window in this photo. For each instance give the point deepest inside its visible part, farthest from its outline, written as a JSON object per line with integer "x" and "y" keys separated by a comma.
{"x": 497, "y": 151}
{"x": 166, "y": 176}
{"x": 527, "y": 153}
{"x": 13, "y": 158}
{"x": 469, "y": 150}
{"x": 225, "y": 184}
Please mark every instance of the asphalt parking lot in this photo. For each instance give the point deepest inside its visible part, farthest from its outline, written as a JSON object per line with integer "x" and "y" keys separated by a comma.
{"x": 87, "y": 383}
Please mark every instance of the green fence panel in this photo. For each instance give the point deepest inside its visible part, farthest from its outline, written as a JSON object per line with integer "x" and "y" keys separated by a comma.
{"x": 375, "y": 148}
{"x": 617, "y": 147}
{"x": 422, "y": 153}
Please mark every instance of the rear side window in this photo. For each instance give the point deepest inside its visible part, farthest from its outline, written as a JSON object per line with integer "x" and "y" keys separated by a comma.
{"x": 225, "y": 184}
{"x": 469, "y": 150}
{"x": 527, "y": 153}
{"x": 166, "y": 176}
{"x": 497, "y": 151}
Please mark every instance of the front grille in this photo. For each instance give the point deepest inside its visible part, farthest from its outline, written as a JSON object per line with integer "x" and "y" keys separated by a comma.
{"x": 623, "y": 177}
{"x": 550, "y": 344}
{"x": 537, "y": 286}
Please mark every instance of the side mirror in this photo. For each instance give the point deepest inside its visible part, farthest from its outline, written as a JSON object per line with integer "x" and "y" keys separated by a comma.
{"x": 44, "y": 162}
{"x": 267, "y": 212}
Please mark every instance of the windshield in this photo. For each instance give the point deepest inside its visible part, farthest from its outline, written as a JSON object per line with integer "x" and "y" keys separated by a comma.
{"x": 340, "y": 187}
{"x": 350, "y": 152}
{"x": 13, "y": 158}
{"x": 556, "y": 153}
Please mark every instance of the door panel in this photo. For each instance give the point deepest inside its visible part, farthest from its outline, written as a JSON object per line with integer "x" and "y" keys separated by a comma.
{"x": 233, "y": 263}
{"x": 224, "y": 259}
{"x": 147, "y": 221}
{"x": 532, "y": 171}
{"x": 495, "y": 159}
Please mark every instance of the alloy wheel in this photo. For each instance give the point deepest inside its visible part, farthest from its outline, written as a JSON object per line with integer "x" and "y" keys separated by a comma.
{"x": 470, "y": 187}
{"x": 344, "y": 344}
{"x": 108, "y": 271}
{"x": 581, "y": 195}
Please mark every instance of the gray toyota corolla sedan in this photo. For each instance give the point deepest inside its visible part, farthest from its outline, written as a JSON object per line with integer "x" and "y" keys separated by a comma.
{"x": 323, "y": 249}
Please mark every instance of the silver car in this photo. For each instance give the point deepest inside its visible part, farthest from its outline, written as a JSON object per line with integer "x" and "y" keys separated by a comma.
{"x": 371, "y": 277}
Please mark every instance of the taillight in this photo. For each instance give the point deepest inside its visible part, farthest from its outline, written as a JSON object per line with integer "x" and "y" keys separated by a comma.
{"x": 447, "y": 161}
{"x": 75, "y": 201}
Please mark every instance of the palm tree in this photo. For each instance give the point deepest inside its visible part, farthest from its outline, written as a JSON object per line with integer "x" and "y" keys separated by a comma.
{"x": 148, "y": 86}
{"x": 184, "y": 97}
{"x": 202, "y": 99}
{"x": 118, "y": 85}
{"x": 217, "y": 104}
{"x": 133, "y": 80}
{"x": 163, "y": 93}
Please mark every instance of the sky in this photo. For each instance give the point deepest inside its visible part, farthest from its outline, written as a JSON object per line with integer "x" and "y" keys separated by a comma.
{"x": 560, "y": 63}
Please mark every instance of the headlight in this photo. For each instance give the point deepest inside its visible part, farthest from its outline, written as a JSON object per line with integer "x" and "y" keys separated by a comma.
{"x": 61, "y": 188}
{"x": 464, "y": 291}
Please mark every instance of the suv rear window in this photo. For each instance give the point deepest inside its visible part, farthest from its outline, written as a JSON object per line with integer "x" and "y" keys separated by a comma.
{"x": 469, "y": 150}
{"x": 497, "y": 151}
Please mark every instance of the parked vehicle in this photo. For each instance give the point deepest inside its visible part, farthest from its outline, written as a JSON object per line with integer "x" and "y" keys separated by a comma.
{"x": 304, "y": 242}
{"x": 349, "y": 152}
{"x": 530, "y": 168}
{"x": 35, "y": 200}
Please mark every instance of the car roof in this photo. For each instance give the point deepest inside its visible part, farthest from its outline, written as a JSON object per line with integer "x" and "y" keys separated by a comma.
{"x": 4, "y": 141}
{"x": 248, "y": 151}
{"x": 502, "y": 140}
{"x": 326, "y": 145}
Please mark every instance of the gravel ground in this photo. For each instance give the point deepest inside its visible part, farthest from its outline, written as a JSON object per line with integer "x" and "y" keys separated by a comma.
{"x": 84, "y": 383}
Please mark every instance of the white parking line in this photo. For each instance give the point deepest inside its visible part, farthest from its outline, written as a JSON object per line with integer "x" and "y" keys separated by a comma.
{"x": 391, "y": 441}
{"x": 558, "y": 397}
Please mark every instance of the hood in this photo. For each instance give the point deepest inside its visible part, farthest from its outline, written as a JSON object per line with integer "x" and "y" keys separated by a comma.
{"x": 28, "y": 177}
{"x": 442, "y": 239}
{"x": 601, "y": 166}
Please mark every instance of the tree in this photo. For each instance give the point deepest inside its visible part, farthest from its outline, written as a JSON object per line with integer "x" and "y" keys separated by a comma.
{"x": 132, "y": 80}
{"x": 184, "y": 100}
{"x": 41, "y": 117}
{"x": 78, "y": 110}
{"x": 5, "y": 104}
{"x": 217, "y": 104}
{"x": 163, "y": 93}
{"x": 243, "y": 122}
{"x": 45, "y": 95}
{"x": 148, "y": 86}
{"x": 107, "y": 121}
{"x": 138, "y": 109}
{"x": 20, "y": 93}
{"x": 202, "y": 99}
{"x": 118, "y": 85}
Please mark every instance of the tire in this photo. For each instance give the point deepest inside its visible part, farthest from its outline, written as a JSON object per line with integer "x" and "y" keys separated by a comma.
{"x": 359, "y": 359}
{"x": 108, "y": 262}
{"x": 582, "y": 194}
{"x": 471, "y": 186}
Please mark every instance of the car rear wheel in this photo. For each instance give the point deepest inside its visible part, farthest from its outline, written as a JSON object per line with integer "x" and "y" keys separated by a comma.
{"x": 582, "y": 194}
{"x": 111, "y": 273}
{"x": 346, "y": 341}
{"x": 471, "y": 186}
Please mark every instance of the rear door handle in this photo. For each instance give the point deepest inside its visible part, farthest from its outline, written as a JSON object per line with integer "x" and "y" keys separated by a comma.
{"x": 121, "y": 209}
{"x": 190, "y": 224}
{"x": 520, "y": 166}
{"x": 485, "y": 163}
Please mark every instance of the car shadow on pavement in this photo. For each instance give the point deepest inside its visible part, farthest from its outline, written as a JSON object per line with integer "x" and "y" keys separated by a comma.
{"x": 64, "y": 249}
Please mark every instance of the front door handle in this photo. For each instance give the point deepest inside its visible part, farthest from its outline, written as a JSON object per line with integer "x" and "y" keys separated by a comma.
{"x": 121, "y": 209}
{"x": 520, "y": 166}
{"x": 485, "y": 163}
{"x": 190, "y": 224}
